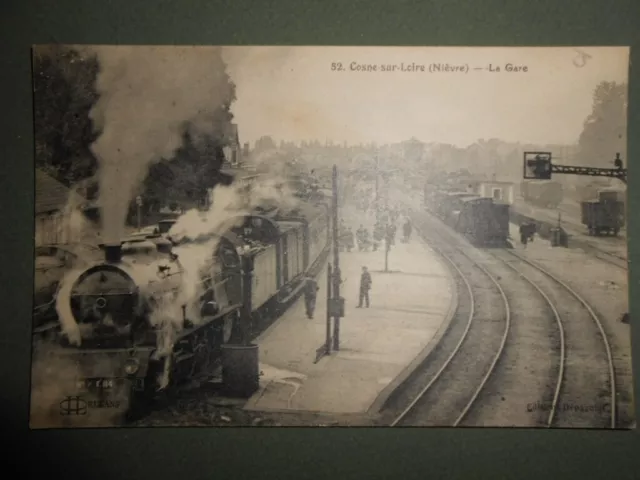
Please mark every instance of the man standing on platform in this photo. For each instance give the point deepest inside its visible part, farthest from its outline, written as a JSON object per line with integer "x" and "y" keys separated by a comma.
{"x": 407, "y": 230}
{"x": 526, "y": 233}
{"x": 365, "y": 286}
{"x": 310, "y": 292}
{"x": 378, "y": 235}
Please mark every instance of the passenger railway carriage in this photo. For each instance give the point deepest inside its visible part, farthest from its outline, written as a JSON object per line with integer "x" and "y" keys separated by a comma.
{"x": 451, "y": 204}
{"x": 283, "y": 247}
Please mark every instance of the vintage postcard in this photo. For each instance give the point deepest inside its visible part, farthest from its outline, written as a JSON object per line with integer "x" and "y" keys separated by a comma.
{"x": 330, "y": 236}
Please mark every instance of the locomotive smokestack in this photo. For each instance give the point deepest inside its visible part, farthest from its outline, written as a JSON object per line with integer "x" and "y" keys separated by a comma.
{"x": 113, "y": 253}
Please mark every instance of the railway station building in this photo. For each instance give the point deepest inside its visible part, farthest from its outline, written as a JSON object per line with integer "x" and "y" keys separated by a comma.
{"x": 500, "y": 191}
{"x": 59, "y": 218}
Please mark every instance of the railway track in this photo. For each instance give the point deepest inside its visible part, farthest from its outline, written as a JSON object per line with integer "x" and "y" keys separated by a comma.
{"x": 611, "y": 258}
{"x": 587, "y": 397}
{"x": 473, "y": 345}
{"x": 579, "y": 387}
{"x": 533, "y": 369}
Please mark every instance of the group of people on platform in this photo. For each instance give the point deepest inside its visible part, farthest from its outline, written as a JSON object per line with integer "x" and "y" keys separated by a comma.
{"x": 384, "y": 230}
{"x": 311, "y": 291}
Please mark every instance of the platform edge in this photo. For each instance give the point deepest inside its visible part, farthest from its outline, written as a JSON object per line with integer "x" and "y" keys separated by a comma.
{"x": 382, "y": 398}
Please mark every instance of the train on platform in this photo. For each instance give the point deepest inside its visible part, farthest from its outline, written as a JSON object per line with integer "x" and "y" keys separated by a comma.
{"x": 542, "y": 193}
{"x": 604, "y": 215}
{"x": 482, "y": 220}
{"x": 121, "y": 302}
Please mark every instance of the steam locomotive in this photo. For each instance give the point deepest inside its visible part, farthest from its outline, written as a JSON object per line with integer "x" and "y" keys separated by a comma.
{"x": 140, "y": 318}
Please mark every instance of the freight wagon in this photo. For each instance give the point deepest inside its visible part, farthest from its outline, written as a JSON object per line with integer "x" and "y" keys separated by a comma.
{"x": 604, "y": 215}
{"x": 484, "y": 222}
{"x": 542, "y": 193}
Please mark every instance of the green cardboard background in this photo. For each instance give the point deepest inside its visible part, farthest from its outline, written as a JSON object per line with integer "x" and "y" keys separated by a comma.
{"x": 283, "y": 453}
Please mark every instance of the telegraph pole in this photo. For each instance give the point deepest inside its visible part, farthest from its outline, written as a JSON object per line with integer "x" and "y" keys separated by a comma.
{"x": 246, "y": 262}
{"x": 336, "y": 264}
{"x": 139, "y": 213}
{"x": 387, "y": 247}
{"x": 377, "y": 189}
{"x": 327, "y": 345}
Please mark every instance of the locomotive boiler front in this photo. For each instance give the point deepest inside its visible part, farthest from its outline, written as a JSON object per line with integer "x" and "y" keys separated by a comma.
{"x": 113, "y": 299}
{"x": 106, "y": 295}
{"x": 105, "y": 299}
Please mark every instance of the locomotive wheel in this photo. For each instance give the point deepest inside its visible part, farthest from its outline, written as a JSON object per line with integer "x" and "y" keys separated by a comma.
{"x": 139, "y": 407}
{"x": 142, "y": 402}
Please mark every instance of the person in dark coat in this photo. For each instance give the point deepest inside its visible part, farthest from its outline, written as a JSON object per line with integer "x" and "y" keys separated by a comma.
{"x": 365, "y": 286}
{"x": 378, "y": 235}
{"x": 310, "y": 293}
{"x": 407, "y": 230}
{"x": 343, "y": 238}
{"x": 349, "y": 238}
{"x": 527, "y": 231}
{"x": 360, "y": 234}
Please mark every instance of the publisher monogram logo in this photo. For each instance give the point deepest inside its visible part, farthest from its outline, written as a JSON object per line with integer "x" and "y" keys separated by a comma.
{"x": 73, "y": 405}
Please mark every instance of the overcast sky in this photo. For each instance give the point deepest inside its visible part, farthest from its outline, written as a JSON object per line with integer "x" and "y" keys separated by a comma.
{"x": 291, "y": 93}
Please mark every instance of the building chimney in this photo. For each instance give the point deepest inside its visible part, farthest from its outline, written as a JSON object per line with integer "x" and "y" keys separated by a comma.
{"x": 113, "y": 253}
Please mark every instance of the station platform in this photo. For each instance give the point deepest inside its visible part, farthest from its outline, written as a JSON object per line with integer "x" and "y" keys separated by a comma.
{"x": 560, "y": 257}
{"x": 411, "y": 306}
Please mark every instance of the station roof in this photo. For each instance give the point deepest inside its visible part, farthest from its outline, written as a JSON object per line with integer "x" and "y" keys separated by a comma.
{"x": 51, "y": 195}
{"x": 495, "y": 182}
{"x": 461, "y": 194}
{"x": 477, "y": 198}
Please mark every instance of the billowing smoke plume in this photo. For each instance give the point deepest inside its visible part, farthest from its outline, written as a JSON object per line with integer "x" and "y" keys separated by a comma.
{"x": 227, "y": 206}
{"x": 147, "y": 95}
{"x": 77, "y": 228}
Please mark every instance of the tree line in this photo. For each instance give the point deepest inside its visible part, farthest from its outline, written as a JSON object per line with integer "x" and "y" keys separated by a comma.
{"x": 64, "y": 85}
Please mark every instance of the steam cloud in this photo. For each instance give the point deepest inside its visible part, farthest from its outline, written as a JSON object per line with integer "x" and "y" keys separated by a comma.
{"x": 228, "y": 205}
{"x": 147, "y": 94}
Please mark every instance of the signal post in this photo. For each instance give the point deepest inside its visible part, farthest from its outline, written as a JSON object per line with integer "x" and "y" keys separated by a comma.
{"x": 335, "y": 303}
{"x": 539, "y": 166}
